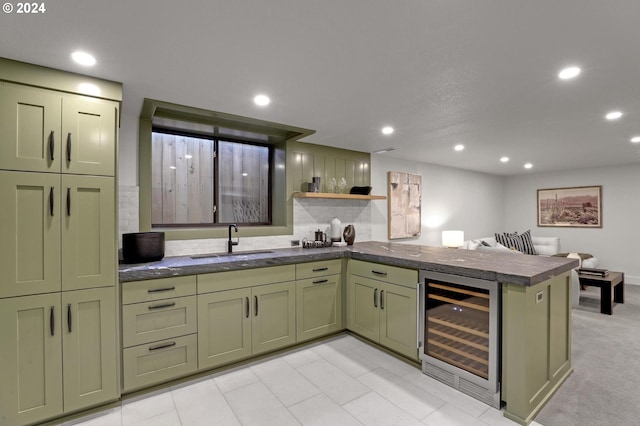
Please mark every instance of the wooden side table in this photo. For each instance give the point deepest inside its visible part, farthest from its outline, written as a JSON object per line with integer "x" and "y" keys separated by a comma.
{"x": 613, "y": 282}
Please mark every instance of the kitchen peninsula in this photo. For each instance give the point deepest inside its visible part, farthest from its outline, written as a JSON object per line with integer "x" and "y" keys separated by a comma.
{"x": 535, "y": 291}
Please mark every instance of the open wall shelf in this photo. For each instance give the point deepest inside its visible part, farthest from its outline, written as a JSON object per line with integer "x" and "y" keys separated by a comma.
{"x": 337, "y": 196}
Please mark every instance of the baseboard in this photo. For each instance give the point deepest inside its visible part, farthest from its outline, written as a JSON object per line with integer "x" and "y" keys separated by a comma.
{"x": 631, "y": 279}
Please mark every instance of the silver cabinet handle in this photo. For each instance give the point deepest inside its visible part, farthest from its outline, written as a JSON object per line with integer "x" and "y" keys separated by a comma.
{"x": 320, "y": 281}
{"x": 382, "y": 274}
{"x": 247, "y": 307}
{"x": 159, "y": 290}
{"x": 255, "y": 303}
{"x": 164, "y": 305}
{"x": 375, "y": 297}
{"x": 162, "y": 346}
{"x": 320, "y": 269}
{"x": 381, "y": 299}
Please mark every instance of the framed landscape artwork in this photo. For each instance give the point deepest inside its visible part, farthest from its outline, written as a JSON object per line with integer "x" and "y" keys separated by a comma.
{"x": 405, "y": 204}
{"x": 579, "y": 207}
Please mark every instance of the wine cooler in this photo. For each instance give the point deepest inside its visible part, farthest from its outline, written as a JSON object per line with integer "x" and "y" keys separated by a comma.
{"x": 459, "y": 333}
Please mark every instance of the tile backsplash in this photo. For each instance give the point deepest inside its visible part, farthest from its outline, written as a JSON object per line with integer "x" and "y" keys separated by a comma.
{"x": 309, "y": 215}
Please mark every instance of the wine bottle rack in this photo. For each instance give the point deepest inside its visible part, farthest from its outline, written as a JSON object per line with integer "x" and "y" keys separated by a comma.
{"x": 458, "y": 326}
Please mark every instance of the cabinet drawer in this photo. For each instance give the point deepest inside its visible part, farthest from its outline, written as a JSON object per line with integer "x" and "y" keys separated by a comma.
{"x": 318, "y": 269}
{"x": 160, "y": 361}
{"x": 386, "y": 273}
{"x": 244, "y": 278}
{"x": 151, "y": 321}
{"x": 163, "y": 288}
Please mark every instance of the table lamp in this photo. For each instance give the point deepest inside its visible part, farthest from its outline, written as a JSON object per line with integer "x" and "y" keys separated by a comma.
{"x": 452, "y": 239}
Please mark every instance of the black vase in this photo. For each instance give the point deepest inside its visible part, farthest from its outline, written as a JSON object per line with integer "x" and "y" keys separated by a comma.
{"x": 349, "y": 234}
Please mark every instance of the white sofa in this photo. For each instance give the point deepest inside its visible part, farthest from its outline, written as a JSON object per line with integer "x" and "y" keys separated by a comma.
{"x": 544, "y": 246}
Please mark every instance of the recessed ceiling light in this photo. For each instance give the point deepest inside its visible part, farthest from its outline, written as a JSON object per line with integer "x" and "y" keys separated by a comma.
{"x": 504, "y": 159}
{"x": 458, "y": 147}
{"x": 528, "y": 165}
{"x": 172, "y": 167}
{"x": 245, "y": 174}
{"x": 635, "y": 139}
{"x": 262, "y": 100}
{"x": 83, "y": 58}
{"x": 387, "y": 130}
{"x": 613, "y": 115}
{"x": 188, "y": 156}
{"x": 569, "y": 73}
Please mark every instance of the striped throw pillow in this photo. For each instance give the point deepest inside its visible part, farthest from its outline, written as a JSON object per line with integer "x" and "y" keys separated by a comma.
{"x": 521, "y": 242}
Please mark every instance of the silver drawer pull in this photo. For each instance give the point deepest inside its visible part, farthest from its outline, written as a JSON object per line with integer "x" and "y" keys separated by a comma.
{"x": 164, "y": 305}
{"x": 162, "y": 346}
{"x": 320, "y": 281}
{"x": 321, "y": 269}
{"x": 160, "y": 290}
{"x": 384, "y": 274}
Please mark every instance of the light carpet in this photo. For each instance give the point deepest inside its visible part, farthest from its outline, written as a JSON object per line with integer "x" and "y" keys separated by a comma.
{"x": 604, "y": 388}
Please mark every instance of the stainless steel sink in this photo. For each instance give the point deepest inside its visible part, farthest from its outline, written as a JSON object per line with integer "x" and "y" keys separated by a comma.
{"x": 236, "y": 254}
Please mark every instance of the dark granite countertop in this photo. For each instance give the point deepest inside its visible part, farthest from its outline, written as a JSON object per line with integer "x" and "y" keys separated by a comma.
{"x": 502, "y": 267}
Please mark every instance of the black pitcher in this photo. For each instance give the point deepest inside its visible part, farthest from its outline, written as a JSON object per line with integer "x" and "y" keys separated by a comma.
{"x": 349, "y": 234}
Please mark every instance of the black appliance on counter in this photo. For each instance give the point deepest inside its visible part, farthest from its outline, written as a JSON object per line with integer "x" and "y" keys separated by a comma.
{"x": 459, "y": 333}
{"x": 140, "y": 247}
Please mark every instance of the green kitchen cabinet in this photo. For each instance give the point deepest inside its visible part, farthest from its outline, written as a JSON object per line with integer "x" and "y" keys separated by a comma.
{"x": 381, "y": 310}
{"x": 536, "y": 344}
{"x": 30, "y": 359}
{"x": 318, "y": 306}
{"x": 58, "y": 354}
{"x": 44, "y": 212}
{"x": 273, "y": 324}
{"x": 46, "y": 131}
{"x": 58, "y": 242}
{"x": 319, "y": 295}
{"x": 30, "y": 233}
{"x": 88, "y": 229}
{"x": 236, "y": 324}
{"x": 224, "y": 327}
{"x": 89, "y": 348}
{"x": 159, "y": 333}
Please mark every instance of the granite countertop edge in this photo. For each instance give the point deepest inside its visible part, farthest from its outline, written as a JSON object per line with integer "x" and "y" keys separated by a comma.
{"x": 507, "y": 268}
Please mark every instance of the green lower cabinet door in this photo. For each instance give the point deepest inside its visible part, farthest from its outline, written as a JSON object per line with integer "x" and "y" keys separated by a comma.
{"x": 318, "y": 306}
{"x": 273, "y": 323}
{"x": 224, "y": 327}
{"x": 30, "y": 359}
{"x": 398, "y": 316}
{"x": 364, "y": 315}
{"x": 89, "y": 348}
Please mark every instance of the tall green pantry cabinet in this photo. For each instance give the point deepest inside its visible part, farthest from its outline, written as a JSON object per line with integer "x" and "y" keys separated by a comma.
{"x": 58, "y": 243}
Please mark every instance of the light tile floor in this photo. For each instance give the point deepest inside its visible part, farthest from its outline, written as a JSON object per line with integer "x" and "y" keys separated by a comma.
{"x": 342, "y": 381}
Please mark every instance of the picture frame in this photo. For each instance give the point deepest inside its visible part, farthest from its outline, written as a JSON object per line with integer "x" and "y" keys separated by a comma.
{"x": 574, "y": 207}
{"x": 404, "y": 191}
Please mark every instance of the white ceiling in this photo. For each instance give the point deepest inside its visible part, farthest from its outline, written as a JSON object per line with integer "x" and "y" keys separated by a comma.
{"x": 442, "y": 72}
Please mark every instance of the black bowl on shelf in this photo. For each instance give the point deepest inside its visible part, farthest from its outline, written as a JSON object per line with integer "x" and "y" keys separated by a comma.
{"x": 360, "y": 190}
